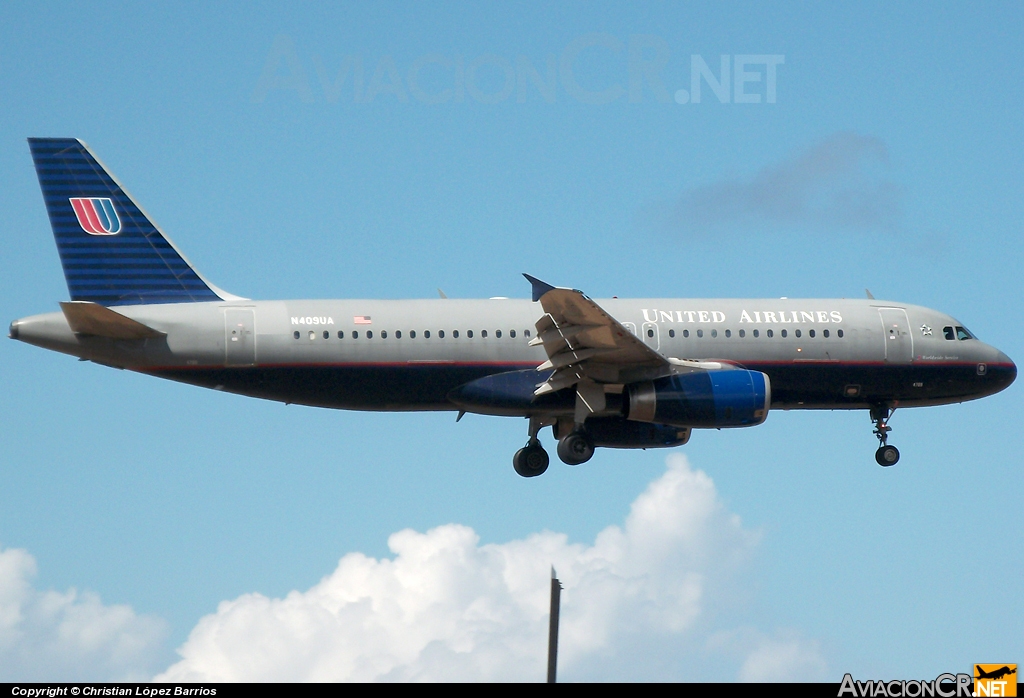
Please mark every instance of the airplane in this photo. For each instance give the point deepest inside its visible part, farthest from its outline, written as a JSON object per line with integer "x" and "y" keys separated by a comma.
{"x": 613, "y": 373}
{"x": 995, "y": 674}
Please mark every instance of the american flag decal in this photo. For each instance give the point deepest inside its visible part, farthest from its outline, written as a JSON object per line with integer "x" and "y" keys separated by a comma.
{"x": 361, "y": 320}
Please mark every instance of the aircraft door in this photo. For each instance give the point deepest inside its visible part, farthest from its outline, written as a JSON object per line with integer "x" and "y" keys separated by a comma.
{"x": 899, "y": 343}
{"x": 239, "y": 337}
{"x": 649, "y": 333}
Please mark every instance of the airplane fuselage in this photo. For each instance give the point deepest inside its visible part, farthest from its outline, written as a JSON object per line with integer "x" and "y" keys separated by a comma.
{"x": 411, "y": 354}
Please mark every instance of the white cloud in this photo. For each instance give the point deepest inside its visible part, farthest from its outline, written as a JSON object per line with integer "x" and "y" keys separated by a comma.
{"x": 53, "y": 636}
{"x": 446, "y": 607}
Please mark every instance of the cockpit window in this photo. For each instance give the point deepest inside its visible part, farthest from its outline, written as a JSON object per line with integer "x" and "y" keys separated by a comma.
{"x": 948, "y": 333}
{"x": 963, "y": 333}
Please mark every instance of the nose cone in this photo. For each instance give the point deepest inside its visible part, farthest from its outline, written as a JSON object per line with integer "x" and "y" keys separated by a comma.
{"x": 1002, "y": 372}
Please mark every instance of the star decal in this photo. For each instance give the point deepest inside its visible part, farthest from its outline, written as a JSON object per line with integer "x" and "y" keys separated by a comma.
{"x": 926, "y": 331}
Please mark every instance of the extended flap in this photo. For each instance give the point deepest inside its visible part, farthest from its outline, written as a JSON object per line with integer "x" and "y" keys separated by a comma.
{"x": 89, "y": 318}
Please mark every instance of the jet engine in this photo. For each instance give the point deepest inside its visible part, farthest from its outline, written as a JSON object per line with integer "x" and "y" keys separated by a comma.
{"x": 710, "y": 399}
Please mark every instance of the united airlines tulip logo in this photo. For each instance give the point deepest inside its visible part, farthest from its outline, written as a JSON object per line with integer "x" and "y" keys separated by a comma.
{"x": 96, "y": 216}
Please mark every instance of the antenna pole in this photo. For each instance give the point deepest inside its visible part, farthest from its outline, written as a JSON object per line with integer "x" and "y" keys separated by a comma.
{"x": 556, "y": 596}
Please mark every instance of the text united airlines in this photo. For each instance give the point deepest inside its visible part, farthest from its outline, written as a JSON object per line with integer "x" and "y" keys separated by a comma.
{"x": 757, "y": 316}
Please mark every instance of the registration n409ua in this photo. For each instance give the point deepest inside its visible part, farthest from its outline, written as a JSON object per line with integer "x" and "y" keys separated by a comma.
{"x": 611, "y": 373}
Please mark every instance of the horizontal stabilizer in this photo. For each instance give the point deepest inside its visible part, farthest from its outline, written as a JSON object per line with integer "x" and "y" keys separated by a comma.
{"x": 94, "y": 319}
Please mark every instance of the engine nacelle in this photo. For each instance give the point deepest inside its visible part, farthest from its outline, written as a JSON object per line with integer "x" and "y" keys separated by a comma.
{"x": 711, "y": 399}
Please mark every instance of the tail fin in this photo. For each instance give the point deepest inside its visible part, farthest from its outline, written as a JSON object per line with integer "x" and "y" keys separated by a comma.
{"x": 111, "y": 252}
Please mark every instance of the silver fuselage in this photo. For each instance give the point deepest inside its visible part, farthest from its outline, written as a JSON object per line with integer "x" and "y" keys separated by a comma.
{"x": 410, "y": 354}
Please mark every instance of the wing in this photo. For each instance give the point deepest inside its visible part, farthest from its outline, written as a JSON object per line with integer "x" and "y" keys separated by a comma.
{"x": 585, "y": 344}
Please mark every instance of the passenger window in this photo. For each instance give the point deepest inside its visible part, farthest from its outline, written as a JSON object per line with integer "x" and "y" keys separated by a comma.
{"x": 327, "y": 334}
{"x": 383, "y": 334}
{"x": 686, "y": 333}
{"x": 784, "y": 333}
{"x": 296, "y": 334}
{"x": 412, "y": 334}
{"x": 947, "y": 332}
{"x": 714, "y": 333}
{"x": 700, "y": 333}
{"x": 650, "y": 332}
{"x": 526, "y": 333}
{"x": 743, "y": 333}
{"x": 839, "y": 333}
{"x": 824, "y": 333}
{"x": 398, "y": 334}
{"x": 426, "y": 334}
{"x": 770, "y": 333}
{"x": 671, "y": 333}
{"x": 455, "y": 334}
{"x": 469, "y": 333}
{"x": 757, "y": 333}
{"x": 728, "y": 333}
{"x": 512, "y": 334}
{"x": 440, "y": 334}
{"x": 811, "y": 333}
{"x": 797, "y": 333}
{"x": 369, "y": 334}
{"x": 497, "y": 333}
{"x": 483, "y": 334}
{"x": 312, "y": 335}
{"x": 341, "y": 334}
{"x": 355, "y": 334}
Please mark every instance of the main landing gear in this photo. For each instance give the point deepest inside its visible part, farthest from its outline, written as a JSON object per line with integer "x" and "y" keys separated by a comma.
{"x": 575, "y": 448}
{"x": 886, "y": 455}
{"x": 531, "y": 460}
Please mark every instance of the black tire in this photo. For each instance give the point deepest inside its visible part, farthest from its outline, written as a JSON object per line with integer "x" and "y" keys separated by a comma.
{"x": 575, "y": 448}
{"x": 887, "y": 455}
{"x": 530, "y": 461}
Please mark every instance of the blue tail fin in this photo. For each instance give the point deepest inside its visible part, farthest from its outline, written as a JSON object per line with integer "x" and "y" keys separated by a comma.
{"x": 112, "y": 253}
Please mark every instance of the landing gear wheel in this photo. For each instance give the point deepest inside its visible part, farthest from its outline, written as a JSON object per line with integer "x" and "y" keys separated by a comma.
{"x": 575, "y": 448}
{"x": 531, "y": 460}
{"x": 887, "y": 455}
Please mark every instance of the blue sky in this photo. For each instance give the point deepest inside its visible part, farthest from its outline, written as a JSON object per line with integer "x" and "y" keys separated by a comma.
{"x": 893, "y": 141}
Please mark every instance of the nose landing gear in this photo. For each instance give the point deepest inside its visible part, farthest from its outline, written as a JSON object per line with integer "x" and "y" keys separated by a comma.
{"x": 886, "y": 455}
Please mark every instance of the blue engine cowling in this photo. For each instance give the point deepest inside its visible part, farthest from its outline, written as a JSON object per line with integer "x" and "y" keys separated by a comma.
{"x": 711, "y": 399}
